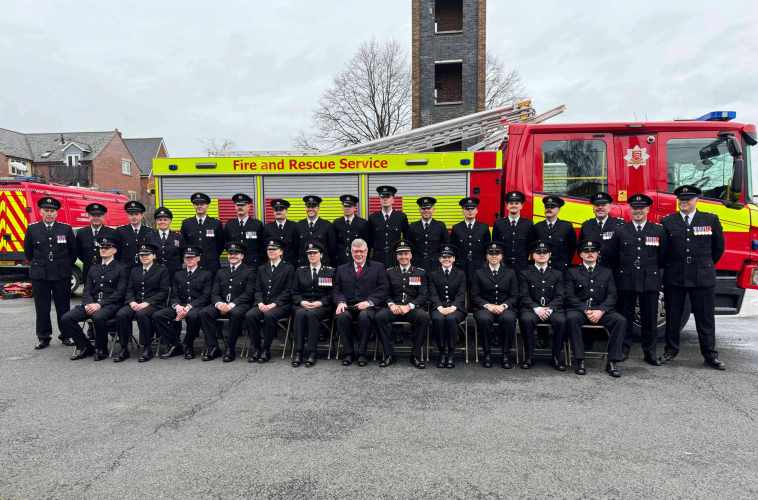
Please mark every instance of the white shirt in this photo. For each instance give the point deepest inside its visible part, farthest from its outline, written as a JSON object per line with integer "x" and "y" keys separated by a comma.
{"x": 242, "y": 221}
{"x": 588, "y": 266}
{"x": 317, "y": 268}
{"x": 192, "y": 270}
{"x": 146, "y": 269}
{"x": 386, "y": 213}
{"x": 641, "y": 225}
{"x": 494, "y": 269}
{"x": 107, "y": 262}
{"x": 540, "y": 268}
{"x": 96, "y": 230}
{"x": 136, "y": 228}
{"x": 349, "y": 219}
{"x": 164, "y": 234}
{"x": 200, "y": 220}
{"x": 355, "y": 266}
{"x": 311, "y": 221}
{"x": 691, "y": 216}
{"x": 511, "y": 220}
{"x": 274, "y": 264}
{"x": 601, "y": 222}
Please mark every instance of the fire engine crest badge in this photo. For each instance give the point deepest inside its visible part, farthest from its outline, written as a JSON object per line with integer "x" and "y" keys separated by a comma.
{"x": 636, "y": 157}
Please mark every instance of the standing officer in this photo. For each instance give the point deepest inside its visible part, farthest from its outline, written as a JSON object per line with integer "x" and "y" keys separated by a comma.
{"x": 103, "y": 296}
{"x": 282, "y": 229}
{"x": 427, "y": 235}
{"x": 190, "y": 293}
{"x": 272, "y": 301}
{"x": 638, "y": 251}
{"x": 86, "y": 237}
{"x": 695, "y": 245}
{"x": 132, "y": 235}
{"x": 146, "y": 293}
{"x": 541, "y": 293}
{"x": 591, "y": 300}
{"x": 168, "y": 243}
{"x": 470, "y": 237}
{"x": 347, "y": 228}
{"x": 601, "y": 227}
{"x": 314, "y": 228}
{"x": 447, "y": 294}
{"x": 515, "y": 232}
{"x": 408, "y": 294}
{"x": 312, "y": 297}
{"x": 494, "y": 293}
{"x": 559, "y": 234}
{"x": 231, "y": 297}
{"x": 205, "y": 232}
{"x": 50, "y": 248}
{"x": 386, "y": 227}
{"x": 246, "y": 229}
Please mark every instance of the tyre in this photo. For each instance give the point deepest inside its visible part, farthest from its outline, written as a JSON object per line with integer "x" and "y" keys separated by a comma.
{"x": 76, "y": 279}
{"x": 661, "y": 322}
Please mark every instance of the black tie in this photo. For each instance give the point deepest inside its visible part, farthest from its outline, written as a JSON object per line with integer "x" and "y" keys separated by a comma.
{"x": 97, "y": 230}
{"x": 447, "y": 273}
{"x": 426, "y": 226}
{"x": 315, "y": 274}
{"x": 163, "y": 237}
{"x": 233, "y": 268}
{"x": 590, "y": 269}
{"x": 687, "y": 220}
{"x": 310, "y": 226}
{"x": 386, "y": 218}
{"x": 639, "y": 228}
{"x": 281, "y": 226}
{"x": 549, "y": 226}
{"x": 144, "y": 272}
{"x": 513, "y": 223}
{"x": 471, "y": 226}
{"x": 542, "y": 270}
{"x": 273, "y": 268}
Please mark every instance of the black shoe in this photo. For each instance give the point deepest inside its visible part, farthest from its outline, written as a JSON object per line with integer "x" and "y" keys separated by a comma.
{"x": 347, "y": 360}
{"x": 526, "y": 364}
{"x": 362, "y": 360}
{"x": 612, "y": 369}
{"x": 625, "y": 353}
{"x": 265, "y": 357}
{"x": 580, "y": 369}
{"x": 87, "y": 352}
{"x": 189, "y": 352}
{"x": 211, "y": 353}
{"x": 174, "y": 350}
{"x": 507, "y": 363}
{"x": 450, "y": 361}
{"x": 559, "y": 364}
{"x": 254, "y": 357}
{"x": 100, "y": 355}
{"x": 652, "y": 360}
{"x": 418, "y": 363}
{"x": 442, "y": 361}
{"x": 387, "y": 361}
{"x": 297, "y": 360}
{"x": 229, "y": 355}
{"x": 65, "y": 341}
{"x": 121, "y": 356}
{"x": 42, "y": 344}
{"x": 715, "y": 363}
{"x": 147, "y": 355}
{"x": 487, "y": 361}
{"x": 310, "y": 361}
{"x": 668, "y": 356}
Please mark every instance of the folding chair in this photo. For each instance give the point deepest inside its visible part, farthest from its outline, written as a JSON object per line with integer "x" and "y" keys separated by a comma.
{"x": 355, "y": 325}
{"x": 220, "y": 322}
{"x": 112, "y": 327}
{"x": 328, "y": 325}
{"x": 589, "y": 354}
{"x": 284, "y": 325}
{"x": 544, "y": 352}
{"x": 497, "y": 350}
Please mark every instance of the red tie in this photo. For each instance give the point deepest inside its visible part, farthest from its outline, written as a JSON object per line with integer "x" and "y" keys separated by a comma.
{"x": 359, "y": 272}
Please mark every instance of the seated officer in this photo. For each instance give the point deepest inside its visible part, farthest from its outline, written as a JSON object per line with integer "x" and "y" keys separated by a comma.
{"x": 312, "y": 297}
{"x": 231, "y": 297}
{"x": 590, "y": 300}
{"x": 103, "y": 296}
{"x": 447, "y": 294}
{"x": 408, "y": 294}
{"x": 272, "y": 301}
{"x": 190, "y": 292}
{"x": 541, "y": 293}
{"x": 494, "y": 293}
{"x": 146, "y": 293}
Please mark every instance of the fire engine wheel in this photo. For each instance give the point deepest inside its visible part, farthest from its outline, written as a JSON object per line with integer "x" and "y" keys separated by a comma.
{"x": 661, "y": 323}
{"x": 76, "y": 279}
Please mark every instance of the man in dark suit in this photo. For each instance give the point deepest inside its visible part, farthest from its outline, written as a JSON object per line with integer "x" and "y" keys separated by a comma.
{"x": 103, "y": 296}
{"x": 559, "y": 234}
{"x": 205, "y": 232}
{"x": 146, "y": 293}
{"x": 313, "y": 228}
{"x": 283, "y": 229}
{"x": 601, "y": 227}
{"x": 190, "y": 293}
{"x": 470, "y": 237}
{"x": 426, "y": 236}
{"x": 515, "y": 232}
{"x": 591, "y": 300}
{"x": 359, "y": 288}
{"x": 447, "y": 294}
{"x": 247, "y": 230}
{"x": 347, "y": 228}
{"x": 169, "y": 243}
{"x": 86, "y": 237}
{"x": 494, "y": 293}
{"x": 50, "y": 248}
{"x": 312, "y": 298}
{"x": 386, "y": 227}
{"x": 132, "y": 235}
{"x": 695, "y": 245}
{"x": 231, "y": 298}
{"x": 272, "y": 301}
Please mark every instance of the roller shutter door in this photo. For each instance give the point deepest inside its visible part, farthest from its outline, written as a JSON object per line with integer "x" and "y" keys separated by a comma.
{"x": 175, "y": 193}
{"x": 293, "y": 187}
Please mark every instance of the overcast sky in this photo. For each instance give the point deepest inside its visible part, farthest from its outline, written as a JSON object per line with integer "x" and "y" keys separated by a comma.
{"x": 252, "y": 71}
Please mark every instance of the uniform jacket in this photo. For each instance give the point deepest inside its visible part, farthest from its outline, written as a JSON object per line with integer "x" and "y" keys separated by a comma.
{"x": 407, "y": 288}
{"x": 585, "y": 290}
{"x": 87, "y": 248}
{"x": 371, "y": 286}
{"x": 591, "y": 230}
{"x": 448, "y": 290}
{"x": 288, "y": 234}
{"x": 638, "y": 259}
{"x": 274, "y": 287}
{"x": 426, "y": 245}
{"x": 106, "y": 285}
{"x": 498, "y": 288}
{"x": 237, "y": 286}
{"x": 209, "y": 237}
{"x": 194, "y": 290}
{"x": 151, "y": 287}
{"x": 541, "y": 290}
{"x": 323, "y": 232}
{"x": 251, "y": 234}
{"x": 516, "y": 241}
{"x": 384, "y": 235}
{"x": 51, "y": 254}
{"x": 305, "y": 288}
{"x": 344, "y": 236}
{"x": 563, "y": 240}
{"x": 693, "y": 251}
{"x": 470, "y": 244}
{"x": 130, "y": 241}
{"x": 169, "y": 251}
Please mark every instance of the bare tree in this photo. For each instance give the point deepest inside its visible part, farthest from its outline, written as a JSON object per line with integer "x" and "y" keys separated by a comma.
{"x": 502, "y": 86}
{"x": 217, "y": 147}
{"x": 369, "y": 99}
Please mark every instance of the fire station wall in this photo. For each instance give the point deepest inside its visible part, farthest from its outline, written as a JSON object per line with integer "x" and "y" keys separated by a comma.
{"x": 176, "y": 191}
{"x": 293, "y": 187}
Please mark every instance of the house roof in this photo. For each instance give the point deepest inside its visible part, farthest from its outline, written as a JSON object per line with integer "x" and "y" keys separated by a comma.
{"x": 14, "y": 144}
{"x": 49, "y": 147}
{"x": 144, "y": 150}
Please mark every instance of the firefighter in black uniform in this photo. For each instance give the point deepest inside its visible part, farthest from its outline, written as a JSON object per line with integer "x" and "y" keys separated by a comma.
{"x": 591, "y": 300}
{"x": 272, "y": 302}
{"x": 447, "y": 295}
{"x": 246, "y": 229}
{"x": 638, "y": 251}
{"x": 205, "y": 232}
{"x": 406, "y": 301}
{"x": 312, "y": 228}
{"x": 168, "y": 243}
{"x": 86, "y": 237}
{"x": 282, "y": 229}
{"x": 348, "y": 228}
{"x": 231, "y": 297}
{"x": 190, "y": 293}
{"x": 559, "y": 234}
{"x": 386, "y": 227}
{"x": 50, "y": 248}
{"x": 601, "y": 227}
{"x": 695, "y": 245}
{"x": 426, "y": 236}
{"x": 515, "y": 232}
{"x": 541, "y": 294}
{"x": 312, "y": 298}
{"x": 494, "y": 293}
{"x": 146, "y": 293}
{"x": 470, "y": 237}
{"x": 103, "y": 297}
{"x": 132, "y": 235}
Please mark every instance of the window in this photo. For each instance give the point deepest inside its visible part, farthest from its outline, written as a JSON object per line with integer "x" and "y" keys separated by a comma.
{"x": 126, "y": 167}
{"x": 448, "y": 16}
{"x": 132, "y": 195}
{"x": 18, "y": 167}
{"x": 705, "y": 163}
{"x": 72, "y": 160}
{"x": 577, "y": 168}
{"x": 448, "y": 82}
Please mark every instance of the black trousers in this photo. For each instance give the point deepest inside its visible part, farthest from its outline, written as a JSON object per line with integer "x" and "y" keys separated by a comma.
{"x": 72, "y": 330}
{"x": 506, "y": 328}
{"x": 307, "y": 327}
{"x": 144, "y": 318}
{"x": 46, "y": 292}
{"x": 208, "y": 321}
{"x": 614, "y": 322}
{"x": 365, "y": 321}
{"x": 528, "y": 322}
{"x": 445, "y": 330}
{"x": 257, "y": 320}
{"x": 702, "y": 301}
{"x": 419, "y": 320}
{"x": 648, "y": 318}
{"x": 169, "y": 330}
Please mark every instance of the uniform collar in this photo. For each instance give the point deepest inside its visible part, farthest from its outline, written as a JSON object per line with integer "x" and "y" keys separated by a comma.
{"x": 190, "y": 271}
{"x": 148, "y": 268}
{"x": 514, "y": 219}
{"x": 109, "y": 261}
{"x": 494, "y": 270}
{"x": 537, "y": 266}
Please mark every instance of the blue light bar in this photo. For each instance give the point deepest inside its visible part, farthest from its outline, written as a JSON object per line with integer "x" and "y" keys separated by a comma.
{"x": 718, "y": 116}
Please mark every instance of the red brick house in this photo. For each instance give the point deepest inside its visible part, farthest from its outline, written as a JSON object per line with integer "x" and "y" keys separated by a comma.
{"x": 144, "y": 150}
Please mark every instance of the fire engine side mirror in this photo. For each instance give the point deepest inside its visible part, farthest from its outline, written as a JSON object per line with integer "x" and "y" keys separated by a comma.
{"x": 737, "y": 176}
